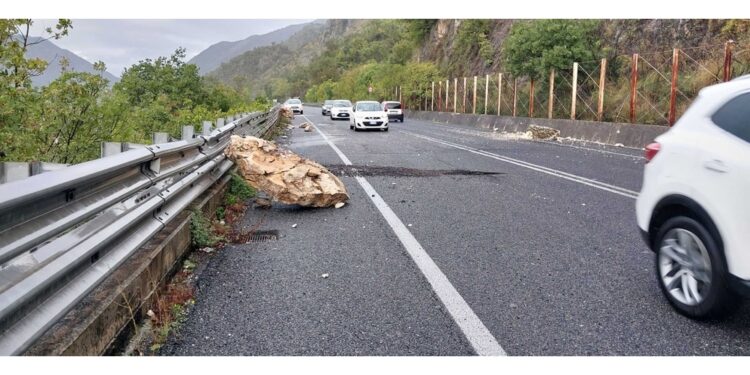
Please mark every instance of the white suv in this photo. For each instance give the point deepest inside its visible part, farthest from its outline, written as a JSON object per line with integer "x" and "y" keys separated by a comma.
{"x": 694, "y": 207}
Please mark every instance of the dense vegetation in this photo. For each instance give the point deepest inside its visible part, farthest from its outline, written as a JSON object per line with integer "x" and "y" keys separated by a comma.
{"x": 67, "y": 120}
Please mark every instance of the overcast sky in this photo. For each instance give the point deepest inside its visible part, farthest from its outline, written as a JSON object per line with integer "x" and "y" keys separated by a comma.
{"x": 121, "y": 43}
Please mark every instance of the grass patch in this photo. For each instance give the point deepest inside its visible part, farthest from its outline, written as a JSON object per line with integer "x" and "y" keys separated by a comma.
{"x": 201, "y": 231}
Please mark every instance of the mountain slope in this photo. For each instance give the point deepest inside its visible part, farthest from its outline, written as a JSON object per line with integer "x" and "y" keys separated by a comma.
{"x": 271, "y": 70}
{"x": 53, "y": 54}
{"x": 213, "y": 56}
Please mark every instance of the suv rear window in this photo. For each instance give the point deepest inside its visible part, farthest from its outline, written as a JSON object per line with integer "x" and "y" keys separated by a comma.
{"x": 734, "y": 117}
{"x": 392, "y": 105}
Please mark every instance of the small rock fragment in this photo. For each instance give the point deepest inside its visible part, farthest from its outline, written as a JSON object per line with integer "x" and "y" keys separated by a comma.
{"x": 339, "y": 205}
{"x": 325, "y": 275}
{"x": 294, "y": 225}
{"x": 262, "y": 203}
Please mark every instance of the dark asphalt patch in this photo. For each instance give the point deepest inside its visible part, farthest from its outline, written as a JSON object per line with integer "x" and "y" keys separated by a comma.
{"x": 369, "y": 170}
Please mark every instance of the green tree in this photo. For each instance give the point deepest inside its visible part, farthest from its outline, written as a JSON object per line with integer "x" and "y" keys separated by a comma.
{"x": 535, "y": 47}
{"x": 18, "y": 99}
{"x": 171, "y": 77}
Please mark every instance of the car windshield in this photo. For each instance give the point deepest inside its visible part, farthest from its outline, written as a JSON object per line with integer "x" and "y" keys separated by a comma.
{"x": 342, "y": 103}
{"x": 293, "y": 101}
{"x": 393, "y": 105}
{"x": 365, "y": 107}
{"x": 328, "y": 102}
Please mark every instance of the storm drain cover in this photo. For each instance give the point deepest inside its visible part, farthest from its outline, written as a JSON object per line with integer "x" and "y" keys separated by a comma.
{"x": 264, "y": 236}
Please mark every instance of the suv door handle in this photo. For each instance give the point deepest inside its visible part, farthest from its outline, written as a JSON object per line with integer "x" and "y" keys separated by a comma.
{"x": 716, "y": 166}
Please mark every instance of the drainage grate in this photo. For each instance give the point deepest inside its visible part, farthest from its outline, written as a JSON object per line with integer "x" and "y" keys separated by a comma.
{"x": 264, "y": 236}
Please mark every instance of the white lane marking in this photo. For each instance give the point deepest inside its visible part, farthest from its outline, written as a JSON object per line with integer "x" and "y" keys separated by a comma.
{"x": 554, "y": 172}
{"x": 472, "y": 327}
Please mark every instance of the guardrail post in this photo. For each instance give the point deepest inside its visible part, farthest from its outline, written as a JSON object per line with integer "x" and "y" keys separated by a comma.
{"x": 633, "y": 86}
{"x": 110, "y": 148}
{"x": 551, "y": 100}
{"x": 499, "y": 91}
{"x": 574, "y": 92}
{"x": 160, "y": 137}
{"x": 219, "y": 122}
{"x": 39, "y": 167}
{"x": 602, "y": 81}
{"x": 188, "y": 132}
{"x": 13, "y": 171}
{"x": 673, "y": 86}
{"x": 728, "y": 60}
{"x": 206, "y": 128}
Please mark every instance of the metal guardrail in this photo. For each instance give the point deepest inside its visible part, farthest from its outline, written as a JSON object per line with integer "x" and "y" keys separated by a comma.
{"x": 62, "y": 232}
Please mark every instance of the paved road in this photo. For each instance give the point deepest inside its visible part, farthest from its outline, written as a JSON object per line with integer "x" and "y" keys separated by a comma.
{"x": 534, "y": 245}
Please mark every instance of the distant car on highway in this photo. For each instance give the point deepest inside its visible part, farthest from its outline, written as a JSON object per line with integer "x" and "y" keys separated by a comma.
{"x": 369, "y": 115}
{"x": 394, "y": 110}
{"x": 295, "y": 105}
{"x": 694, "y": 207}
{"x": 326, "y": 108}
{"x": 341, "y": 109}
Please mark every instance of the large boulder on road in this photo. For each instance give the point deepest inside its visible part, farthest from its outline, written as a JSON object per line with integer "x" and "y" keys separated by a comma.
{"x": 284, "y": 175}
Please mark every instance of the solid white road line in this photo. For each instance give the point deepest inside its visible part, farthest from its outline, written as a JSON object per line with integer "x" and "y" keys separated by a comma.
{"x": 554, "y": 172}
{"x": 475, "y": 331}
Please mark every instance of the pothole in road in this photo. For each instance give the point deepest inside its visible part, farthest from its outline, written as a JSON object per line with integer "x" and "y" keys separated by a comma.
{"x": 371, "y": 170}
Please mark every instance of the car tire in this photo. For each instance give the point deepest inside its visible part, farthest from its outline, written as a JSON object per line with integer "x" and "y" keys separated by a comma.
{"x": 351, "y": 127}
{"x": 685, "y": 247}
{"x": 385, "y": 130}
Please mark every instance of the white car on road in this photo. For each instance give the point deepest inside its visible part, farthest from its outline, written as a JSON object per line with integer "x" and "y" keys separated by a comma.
{"x": 341, "y": 109}
{"x": 369, "y": 115}
{"x": 694, "y": 207}
{"x": 294, "y": 105}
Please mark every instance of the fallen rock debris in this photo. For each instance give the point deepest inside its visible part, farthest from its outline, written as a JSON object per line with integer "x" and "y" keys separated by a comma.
{"x": 543, "y": 132}
{"x": 284, "y": 176}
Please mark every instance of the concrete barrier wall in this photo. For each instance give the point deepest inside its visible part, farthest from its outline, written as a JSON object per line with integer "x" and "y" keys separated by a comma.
{"x": 630, "y": 135}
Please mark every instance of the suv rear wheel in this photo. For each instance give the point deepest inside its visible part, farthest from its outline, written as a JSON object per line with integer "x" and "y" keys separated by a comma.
{"x": 691, "y": 270}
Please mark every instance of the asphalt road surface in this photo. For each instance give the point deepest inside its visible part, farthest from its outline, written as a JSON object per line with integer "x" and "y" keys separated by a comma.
{"x": 456, "y": 241}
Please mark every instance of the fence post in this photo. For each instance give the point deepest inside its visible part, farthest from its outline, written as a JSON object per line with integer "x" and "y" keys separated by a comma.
{"x": 399, "y": 95}
{"x": 728, "y": 60}
{"x": 447, "y": 94}
{"x": 440, "y": 96}
{"x": 455, "y": 95}
{"x": 515, "y": 91}
{"x": 486, "y": 92}
{"x": 432, "y": 97}
{"x": 531, "y": 98}
{"x": 633, "y": 85}
{"x": 499, "y": 91}
{"x": 574, "y": 92}
{"x": 602, "y": 81}
{"x": 673, "y": 86}
{"x": 464, "y": 111}
{"x": 474, "y": 110}
{"x": 551, "y": 102}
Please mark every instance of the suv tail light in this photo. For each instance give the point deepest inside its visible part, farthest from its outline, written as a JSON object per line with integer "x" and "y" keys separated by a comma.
{"x": 651, "y": 150}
